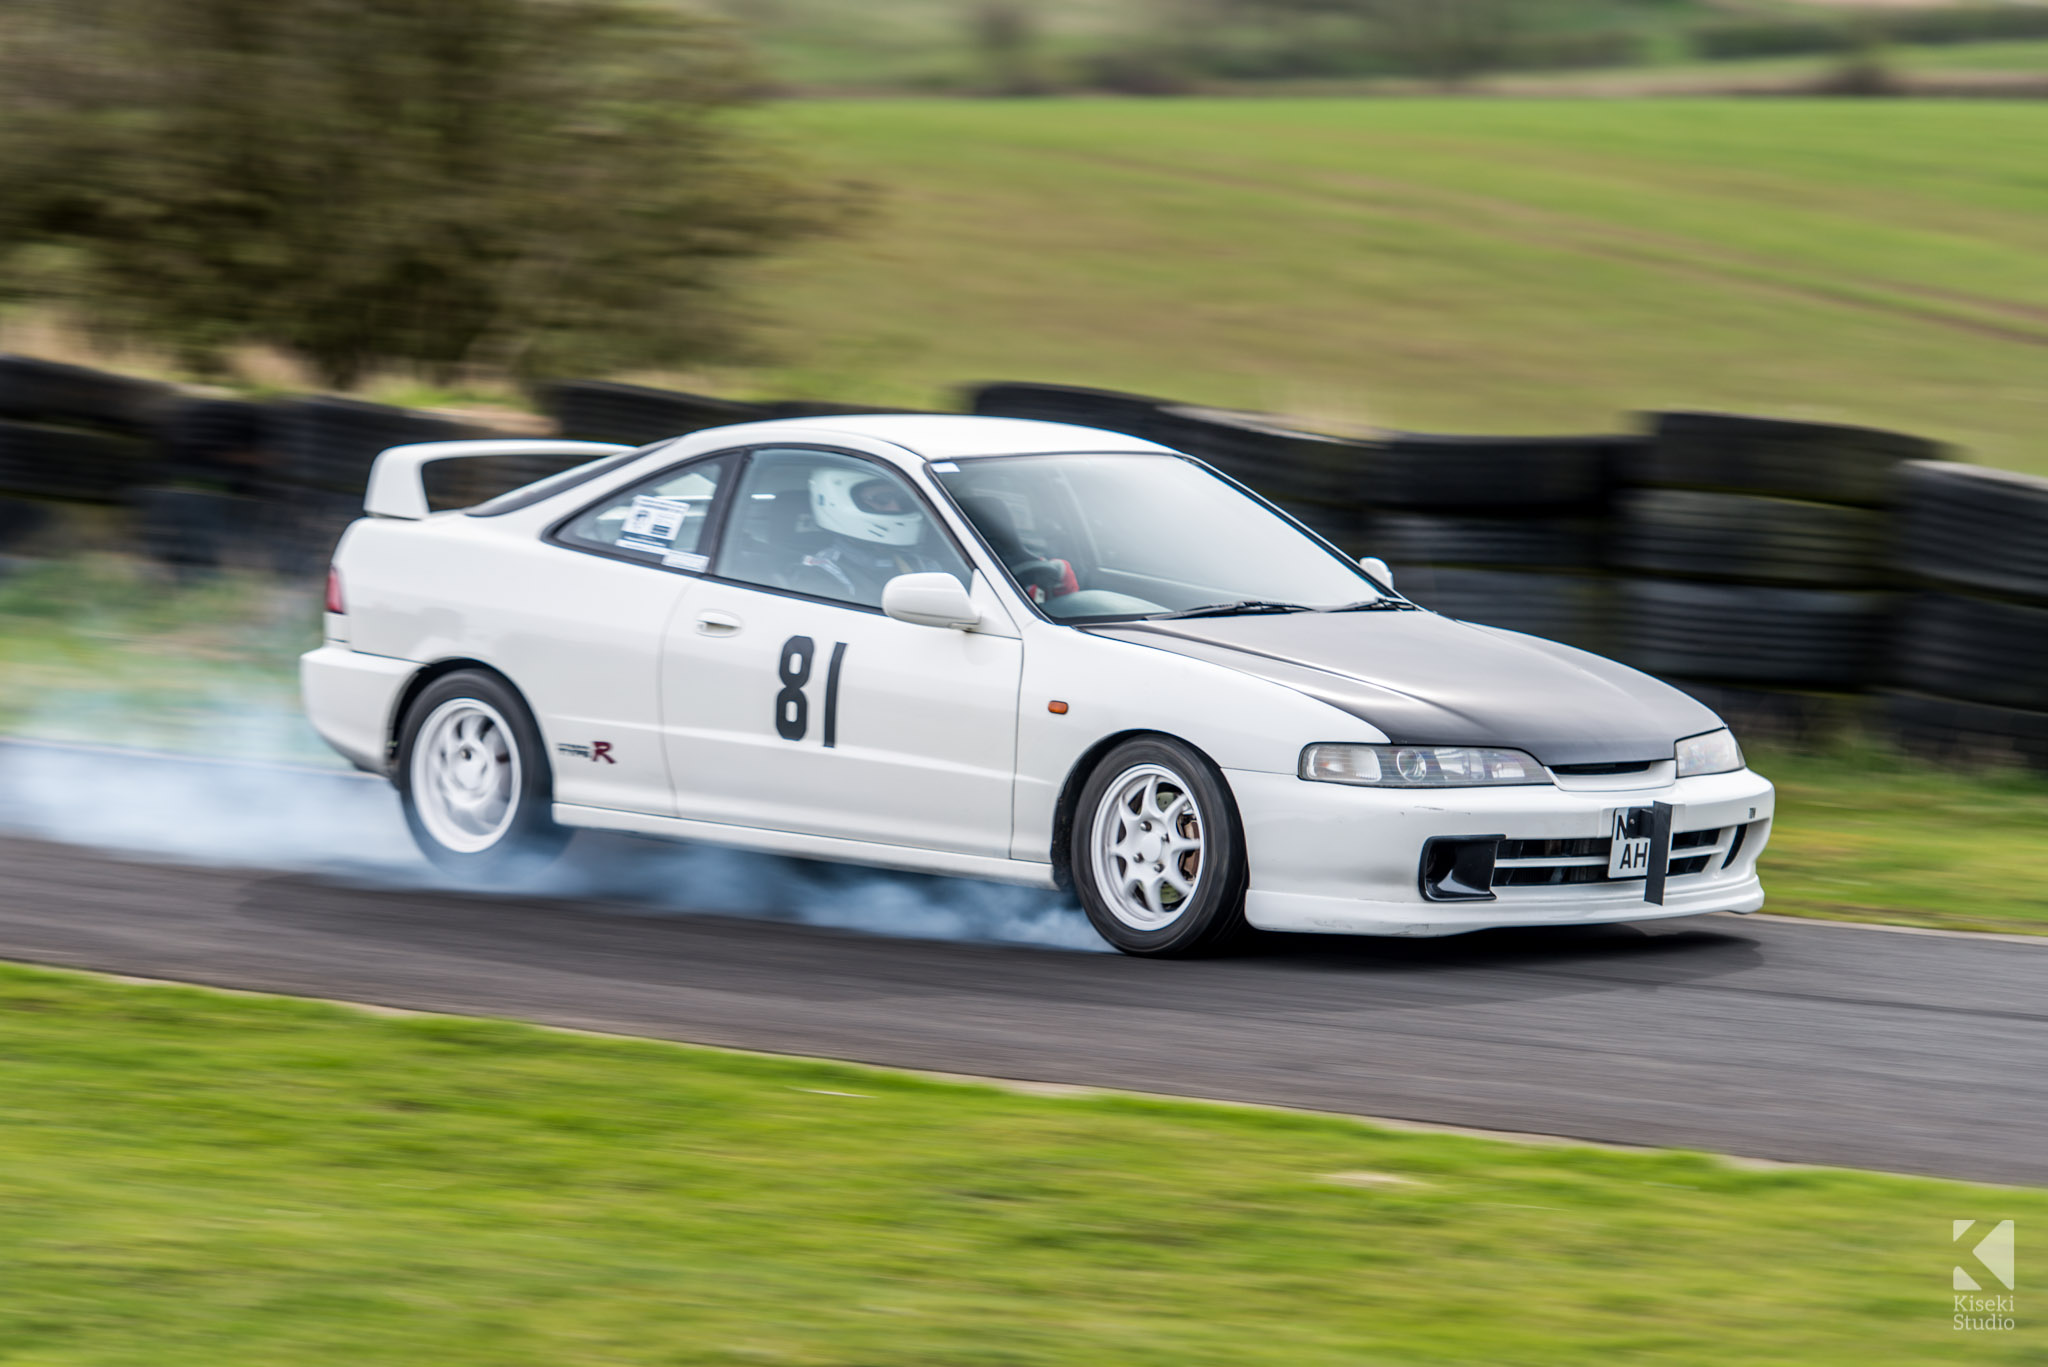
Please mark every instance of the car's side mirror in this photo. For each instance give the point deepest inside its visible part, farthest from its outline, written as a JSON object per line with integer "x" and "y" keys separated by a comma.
{"x": 930, "y": 600}
{"x": 1377, "y": 568}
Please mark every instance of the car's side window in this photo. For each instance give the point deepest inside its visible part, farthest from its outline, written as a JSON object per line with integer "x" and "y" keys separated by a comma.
{"x": 661, "y": 521}
{"x": 832, "y": 526}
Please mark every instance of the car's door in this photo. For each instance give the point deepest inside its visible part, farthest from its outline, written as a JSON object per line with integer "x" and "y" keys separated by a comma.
{"x": 591, "y": 632}
{"x": 792, "y": 703}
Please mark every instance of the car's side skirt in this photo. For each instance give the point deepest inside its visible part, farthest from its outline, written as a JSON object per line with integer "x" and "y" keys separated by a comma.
{"x": 903, "y": 857}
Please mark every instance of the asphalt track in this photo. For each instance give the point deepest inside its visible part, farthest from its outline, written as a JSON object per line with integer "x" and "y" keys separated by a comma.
{"x": 1802, "y": 1043}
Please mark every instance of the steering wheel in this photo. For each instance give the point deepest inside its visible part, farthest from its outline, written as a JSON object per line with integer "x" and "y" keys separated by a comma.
{"x": 1044, "y": 579}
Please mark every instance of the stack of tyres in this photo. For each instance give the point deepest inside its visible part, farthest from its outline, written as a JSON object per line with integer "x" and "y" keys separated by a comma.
{"x": 73, "y": 435}
{"x": 1752, "y": 555}
{"x": 633, "y": 415}
{"x": 325, "y": 447}
{"x": 213, "y": 496}
{"x": 1502, "y": 531}
{"x": 1133, "y": 414}
{"x": 1969, "y": 660}
{"x": 1313, "y": 477}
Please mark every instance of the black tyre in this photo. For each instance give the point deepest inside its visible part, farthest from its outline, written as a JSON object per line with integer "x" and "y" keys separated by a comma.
{"x": 1562, "y": 543}
{"x": 329, "y": 443}
{"x": 1979, "y": 528}
{"x": 635, "y": 415}
{"x": 190, "y": 530}
{"x": 1284, "y": 463}
{"x": 64, "y": 463}
{"x": 822, "y": 408}
{"x": 1739, "y": 633}
{"x": 304, "y": 529}
{"x": 1974, "y": 649}
{"x": 1558, "y": 607}
{"x": 1973, "y": 733}
{"x": 1820, "y": 461}
{"x": 475, "y": 782}
{"x": 1751, "y": 538}
{"x": 220, "y": 446}
{"x": 1779, "y": 716}
{"x": 46, "y": 391}
{"x": 22, "y": 523}
{"x": 1504, "y": 474}
{"x": 1157, "y": 851}
{"x": 1133, "y": 414}
{"x": 1342, "y": 527}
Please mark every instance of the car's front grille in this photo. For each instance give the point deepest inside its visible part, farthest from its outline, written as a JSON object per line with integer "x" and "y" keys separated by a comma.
{"x": 1554, "y": 849}
{"x": 1556, "y": 863}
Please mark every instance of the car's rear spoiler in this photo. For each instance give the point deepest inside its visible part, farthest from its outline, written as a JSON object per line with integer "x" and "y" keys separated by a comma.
{"x": 399, "y": 489}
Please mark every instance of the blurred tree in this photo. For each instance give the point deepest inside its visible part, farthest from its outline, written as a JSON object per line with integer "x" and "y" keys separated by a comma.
{"x": 1450, "y": 40}
{"x": 538, "y": 184}
{"x": 1446, "y": 40}
{"x": 1005, "y": 34}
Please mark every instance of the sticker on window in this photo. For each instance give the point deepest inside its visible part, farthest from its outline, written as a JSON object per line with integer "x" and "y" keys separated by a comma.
{"x": 684, "y": 560}
{"x": 653, "y": 524}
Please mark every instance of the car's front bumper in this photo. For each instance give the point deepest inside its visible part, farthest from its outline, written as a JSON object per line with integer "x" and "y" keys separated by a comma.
{"x": 1332, "y": 859}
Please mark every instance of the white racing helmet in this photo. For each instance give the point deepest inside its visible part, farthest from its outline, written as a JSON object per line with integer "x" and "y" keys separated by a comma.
{"x": 866, "y": 507}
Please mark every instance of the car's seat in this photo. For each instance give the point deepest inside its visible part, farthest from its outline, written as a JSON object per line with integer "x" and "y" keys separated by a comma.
{"x": 770, "y": 538}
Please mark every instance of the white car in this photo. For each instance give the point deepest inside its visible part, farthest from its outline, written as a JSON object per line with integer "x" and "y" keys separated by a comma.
{"x": 1008, "y": 650}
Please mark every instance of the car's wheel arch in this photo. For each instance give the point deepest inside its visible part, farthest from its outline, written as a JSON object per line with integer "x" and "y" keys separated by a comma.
{"x": 1067, "y": 808}
{"x": 422, "y": 679}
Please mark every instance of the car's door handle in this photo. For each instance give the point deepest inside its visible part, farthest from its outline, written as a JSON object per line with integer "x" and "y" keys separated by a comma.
{"x": 715, "y": 623}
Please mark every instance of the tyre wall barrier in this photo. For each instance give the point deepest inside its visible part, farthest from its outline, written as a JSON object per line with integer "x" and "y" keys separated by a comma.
{"x": 1790, "y": 574}
{"x": 1968, "y": 675}
{"x": 1755, "y": 558}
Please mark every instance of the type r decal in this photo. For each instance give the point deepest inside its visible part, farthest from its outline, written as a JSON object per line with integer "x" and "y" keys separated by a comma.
{"x": 595, "y": 751}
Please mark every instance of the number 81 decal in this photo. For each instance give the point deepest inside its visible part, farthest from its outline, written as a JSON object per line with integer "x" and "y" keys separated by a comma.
{"x": 792, "y": 707}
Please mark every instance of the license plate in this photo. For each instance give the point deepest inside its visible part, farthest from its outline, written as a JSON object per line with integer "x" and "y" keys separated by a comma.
{"x": 1629, "y": 855}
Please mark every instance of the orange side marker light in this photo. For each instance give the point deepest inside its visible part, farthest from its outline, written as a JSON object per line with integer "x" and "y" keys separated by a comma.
{"x": 1058, "y": 709}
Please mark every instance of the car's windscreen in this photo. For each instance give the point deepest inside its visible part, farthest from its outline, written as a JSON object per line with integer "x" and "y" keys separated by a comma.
{"x": 1107, "y": 537}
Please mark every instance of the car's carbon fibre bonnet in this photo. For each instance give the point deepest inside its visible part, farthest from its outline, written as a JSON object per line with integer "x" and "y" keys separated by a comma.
{"x": 1424, "y": 679}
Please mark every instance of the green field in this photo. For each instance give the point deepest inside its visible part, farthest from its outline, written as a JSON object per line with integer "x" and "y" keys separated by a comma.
{"x": 1486, "y": 265}
{"x": 192, "y": 1178}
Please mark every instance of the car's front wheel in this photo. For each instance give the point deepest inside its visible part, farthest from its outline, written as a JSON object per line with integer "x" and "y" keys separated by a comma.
{"x": 1157, "y": 851}
{"x": 475, "y": 782}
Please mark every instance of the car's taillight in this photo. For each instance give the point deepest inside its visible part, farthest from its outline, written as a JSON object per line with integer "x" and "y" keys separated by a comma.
{"x": 334, "y": 603}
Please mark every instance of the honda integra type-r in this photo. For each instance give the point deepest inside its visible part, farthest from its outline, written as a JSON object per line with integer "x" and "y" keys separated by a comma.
{"x": 1008, "y": 650}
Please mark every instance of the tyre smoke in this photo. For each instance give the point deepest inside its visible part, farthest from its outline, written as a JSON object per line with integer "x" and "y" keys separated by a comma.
{"x": 230, "y": 809}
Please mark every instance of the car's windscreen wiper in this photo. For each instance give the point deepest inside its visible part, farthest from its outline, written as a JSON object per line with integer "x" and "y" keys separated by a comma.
{"x": 1248, "y": 605}
{"x": 1379, "y": 605}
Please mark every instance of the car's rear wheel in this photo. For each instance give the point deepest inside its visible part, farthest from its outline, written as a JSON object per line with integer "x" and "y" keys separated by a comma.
{"x": 1157, "y": 851}
{"x": 475, "y": 782}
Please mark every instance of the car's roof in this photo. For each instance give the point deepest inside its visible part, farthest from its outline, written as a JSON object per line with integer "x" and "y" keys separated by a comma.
{"x": 945, "y": 436}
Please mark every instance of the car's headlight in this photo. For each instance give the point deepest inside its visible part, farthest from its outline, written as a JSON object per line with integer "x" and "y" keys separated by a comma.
{"x": 1714, "y": 753}
{"x": 1419, "y": 766}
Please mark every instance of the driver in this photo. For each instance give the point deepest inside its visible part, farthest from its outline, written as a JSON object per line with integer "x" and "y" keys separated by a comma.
{"x": 875, "y": 526}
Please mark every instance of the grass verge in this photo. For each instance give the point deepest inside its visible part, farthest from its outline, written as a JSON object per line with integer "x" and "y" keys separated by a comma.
{"x": 191, "y": 1177}
{"x": 1866, "y": 835}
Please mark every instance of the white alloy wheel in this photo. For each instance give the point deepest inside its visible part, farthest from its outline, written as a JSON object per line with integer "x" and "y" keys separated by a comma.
{"x": 465, "y": 775}
{"x": 1149, "y": 847}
